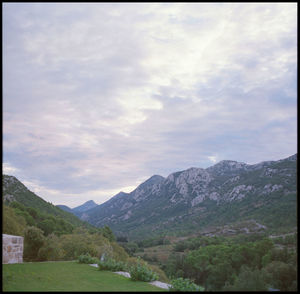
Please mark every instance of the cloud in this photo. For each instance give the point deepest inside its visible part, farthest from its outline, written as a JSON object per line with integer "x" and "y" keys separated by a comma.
{"x": 9, "y": 169}
{"x": 98, "y": 96}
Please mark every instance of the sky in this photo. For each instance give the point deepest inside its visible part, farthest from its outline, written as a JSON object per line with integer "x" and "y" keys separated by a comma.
{"x": 98, "y": 97}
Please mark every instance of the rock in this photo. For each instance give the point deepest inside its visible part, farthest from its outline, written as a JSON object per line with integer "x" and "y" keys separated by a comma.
{"x": 160, "y": 284}
{"x": 125, "y": 274}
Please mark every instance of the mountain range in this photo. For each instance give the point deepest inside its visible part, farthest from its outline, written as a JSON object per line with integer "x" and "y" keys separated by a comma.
{"x": 197, "y": 199}
{"x": 188, "y": 201}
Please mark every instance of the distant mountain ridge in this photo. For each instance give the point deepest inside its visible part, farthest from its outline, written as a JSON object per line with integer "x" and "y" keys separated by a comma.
{"x": 197, "y": 198}
{"x": 79, "y": 209}
{"x": 86, "y": 206}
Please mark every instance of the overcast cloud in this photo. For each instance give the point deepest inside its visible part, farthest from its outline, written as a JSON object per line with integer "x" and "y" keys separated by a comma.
{"x": 98, "y": 97}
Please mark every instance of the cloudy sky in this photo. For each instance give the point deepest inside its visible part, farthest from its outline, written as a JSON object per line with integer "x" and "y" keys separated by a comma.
{"x": 98, "y": 97}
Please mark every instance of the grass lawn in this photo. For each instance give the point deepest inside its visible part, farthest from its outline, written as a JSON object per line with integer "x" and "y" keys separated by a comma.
{"x": 66, "y": 276}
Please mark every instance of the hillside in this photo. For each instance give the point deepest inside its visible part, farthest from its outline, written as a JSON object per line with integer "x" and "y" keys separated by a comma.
{"x": 198, "y": 199}
{"x": 14, "y": 190}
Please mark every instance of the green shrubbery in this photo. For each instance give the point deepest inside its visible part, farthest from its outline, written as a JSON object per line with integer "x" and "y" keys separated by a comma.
{"x": 111, "y": 264}
{"x": 141, "y": 272}
{"x": 138, "y": 269}
{"x": 184, "y": 285}
{"x": 87, "y": 258}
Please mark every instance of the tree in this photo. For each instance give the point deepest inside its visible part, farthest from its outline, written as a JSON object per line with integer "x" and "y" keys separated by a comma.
{"x": 107, "y": 233}
{"x": 51, "y": 249}
{"x": 261, "y": 248}
{"x": 33, "y": 241}
{"x": 33, "y": 212}
{"x": 12, "y": 224}
{"x": 196, "y": 265}
{"x": 281, "y": 275}
{"x": 248, "y": 280}
{"x": 218, "y": 275}
{"x": 47, "y": 225}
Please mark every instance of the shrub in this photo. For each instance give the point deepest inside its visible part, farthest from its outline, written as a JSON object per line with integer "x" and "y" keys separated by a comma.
{"x": 141, "y": 272}
{"x": 112, "y": 265}
{"x": 87, "y": 258}
{"x": 183, "y": 285}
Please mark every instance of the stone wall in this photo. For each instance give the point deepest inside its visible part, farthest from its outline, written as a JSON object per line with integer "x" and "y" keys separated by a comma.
{"x": 12, "y": 249}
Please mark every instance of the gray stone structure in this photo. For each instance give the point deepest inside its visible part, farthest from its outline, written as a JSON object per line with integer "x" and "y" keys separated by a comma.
{"x": 12, "y": 249}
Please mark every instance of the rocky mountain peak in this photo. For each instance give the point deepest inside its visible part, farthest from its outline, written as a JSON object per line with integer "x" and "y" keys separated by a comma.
{"x": 120, "y": 194}
{"x": 147, "y": 187}
{"x": 153, "y": 180}
{"x": 226, "y": 166}
{"x": 85, "y": 206}
{"x": 192, "y": 176}
{"x": 9, "y": 181}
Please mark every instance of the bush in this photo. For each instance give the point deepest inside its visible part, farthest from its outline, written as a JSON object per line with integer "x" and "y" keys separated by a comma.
{"x": 183, "y": 285}
{"x": 88, "y": 259}
{"x": 112, "y": 265}
{"x": 141, "y": 272}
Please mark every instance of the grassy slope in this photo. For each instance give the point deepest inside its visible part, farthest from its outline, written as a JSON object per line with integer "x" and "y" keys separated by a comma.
{"x": 66, "y": 276}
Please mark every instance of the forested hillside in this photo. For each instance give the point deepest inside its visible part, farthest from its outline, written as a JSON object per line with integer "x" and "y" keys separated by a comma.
{"x": 15, "y": 191}
{"x": 49, "y": 232}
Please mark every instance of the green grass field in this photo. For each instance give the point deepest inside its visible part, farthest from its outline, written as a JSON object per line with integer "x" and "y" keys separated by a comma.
{"x": 66, "y": 276}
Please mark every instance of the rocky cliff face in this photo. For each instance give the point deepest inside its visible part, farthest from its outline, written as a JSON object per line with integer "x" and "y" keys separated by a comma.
{"x": 191, "y": 195}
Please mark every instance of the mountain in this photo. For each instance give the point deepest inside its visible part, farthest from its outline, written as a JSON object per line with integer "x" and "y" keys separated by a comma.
{"x": 85, "y": 206}
{"x": 79, "y": 210}
{"x": 196, "y": 199}
{"x": 65, "y": 208}
{"x": 14, "y": 190}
